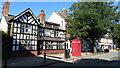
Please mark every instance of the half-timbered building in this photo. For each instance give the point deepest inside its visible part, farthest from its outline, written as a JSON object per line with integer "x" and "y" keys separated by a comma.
{"x": 51, "y": 39}
{"x": 23, "y": 29}
{"x": 29, "y": 34}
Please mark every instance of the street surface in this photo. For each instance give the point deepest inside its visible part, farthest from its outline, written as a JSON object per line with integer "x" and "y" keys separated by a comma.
{"x": 108, "y": 59}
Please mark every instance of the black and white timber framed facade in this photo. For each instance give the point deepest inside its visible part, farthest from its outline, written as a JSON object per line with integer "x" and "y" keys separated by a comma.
{"x": 51, "y": 37}
{"x": 30, "y": 35}
{"x": 23, "y": 30}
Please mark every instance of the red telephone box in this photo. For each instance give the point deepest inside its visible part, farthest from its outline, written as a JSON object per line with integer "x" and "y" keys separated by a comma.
{"x": 76, "y": 47}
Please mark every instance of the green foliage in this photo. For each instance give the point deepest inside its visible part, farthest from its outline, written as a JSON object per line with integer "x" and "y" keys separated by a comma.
{"x": 115, "y": 33}
{"x": 90, "y": 20}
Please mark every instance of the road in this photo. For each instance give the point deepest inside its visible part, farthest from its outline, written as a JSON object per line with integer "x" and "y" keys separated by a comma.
{"x": 109, "y": 59}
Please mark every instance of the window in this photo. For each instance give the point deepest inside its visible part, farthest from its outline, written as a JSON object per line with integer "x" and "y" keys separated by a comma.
{"x": 24, "y": 36}
{"x": 15, "y": 24}
{"x": 60, "y": 45}
{"x": 22, "y": 28}
{"x": 35, "y": 42}
{"x": 13, "y": 48}
{"x": 32, "y": 42}
{"x": 30, "y": 36}
{"x": 25, "y": 17}
{"x": 18, "y": 36}
{"x": 18, "y": 30}
{"x": 18, "y": 24}
{"x": 36, "y": 27}
{"x": 17, "y": 48}
{"x": 15, "y": 30}
{"x": 17, "y": 42}
{"x": 33, "y": 37}
{"x": 14, "y": 41}
{"x": 33, "y": 47}
{"x": 21, "y": 36}
{"x": 20, "y": 19}
{"x": 33, "y": 27}
{"x": 54, "y": 47}
{"x": 56, "y": 33}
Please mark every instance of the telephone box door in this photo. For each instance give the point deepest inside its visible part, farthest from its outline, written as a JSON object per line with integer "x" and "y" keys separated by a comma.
{"x": 76, "y": 47}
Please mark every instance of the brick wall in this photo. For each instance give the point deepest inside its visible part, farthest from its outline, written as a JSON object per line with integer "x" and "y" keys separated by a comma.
{"x": 53, "y": 51}
{"x": 33, "y": 53}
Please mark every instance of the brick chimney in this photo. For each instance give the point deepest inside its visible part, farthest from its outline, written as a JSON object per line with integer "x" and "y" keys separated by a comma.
{"x": 6, "y": 8}
{"x": 64, "y": 11}
{"x": 42, "y": 16}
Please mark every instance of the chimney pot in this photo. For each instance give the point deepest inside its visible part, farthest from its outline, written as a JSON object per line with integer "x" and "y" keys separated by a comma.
{"x": 64, "y": 11}
{"x": 6, "y": 8}
{"x": 42, "y": 16}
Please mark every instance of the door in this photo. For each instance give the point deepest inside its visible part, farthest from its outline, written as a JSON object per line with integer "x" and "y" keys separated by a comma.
{"x": 40, "y": 46}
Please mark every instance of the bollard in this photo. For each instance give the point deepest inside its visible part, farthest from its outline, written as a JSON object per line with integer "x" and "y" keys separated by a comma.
{"x": 44, "y": 57}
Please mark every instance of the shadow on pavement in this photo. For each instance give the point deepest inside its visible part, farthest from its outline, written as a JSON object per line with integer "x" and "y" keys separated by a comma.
{"x": 87, "y": 63}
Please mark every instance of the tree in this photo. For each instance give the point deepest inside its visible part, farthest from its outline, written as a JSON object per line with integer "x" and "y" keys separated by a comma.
{"x": 115, "y": 33}
{"x": 90, "y": 20}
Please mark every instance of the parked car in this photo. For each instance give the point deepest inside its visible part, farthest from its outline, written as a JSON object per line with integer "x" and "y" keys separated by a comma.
{"x": 105, "y": 48}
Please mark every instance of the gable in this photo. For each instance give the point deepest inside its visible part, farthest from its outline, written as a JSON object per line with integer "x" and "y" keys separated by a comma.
{"x": 55, "y": 18}
{"x": 26, "y": 16}
{"x": 3, "y": 24}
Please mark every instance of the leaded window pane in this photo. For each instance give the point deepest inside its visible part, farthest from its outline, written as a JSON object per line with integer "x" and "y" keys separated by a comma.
{"x": 15, "y": 24}
{"x": 13, "y": 48}
{"x": 33, "y": 47}
{"x": 17, "y": 48}
{"x": 14, "y": 41}
{"x": 18, "y": 36}
{"x": 18, "y": 24}
{"x": 15, "y": 30}
{"x": 18, "y": 30}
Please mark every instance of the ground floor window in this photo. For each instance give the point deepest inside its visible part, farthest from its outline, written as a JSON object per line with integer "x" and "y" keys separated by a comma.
{"x": 53, "y": 45}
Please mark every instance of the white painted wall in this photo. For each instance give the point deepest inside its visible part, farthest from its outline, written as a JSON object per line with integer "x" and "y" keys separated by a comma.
{"x": 3, "y": 25}
{"x": 57, "y": 19}
{"x": 105, "y": 41}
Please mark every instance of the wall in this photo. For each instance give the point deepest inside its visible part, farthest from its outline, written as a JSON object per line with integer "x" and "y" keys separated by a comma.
{"x": 3, "y": 25}
{"x": 57, "y": 19}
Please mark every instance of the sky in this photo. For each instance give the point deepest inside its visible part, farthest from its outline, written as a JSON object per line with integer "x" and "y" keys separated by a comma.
{"x": 48, "y": 7}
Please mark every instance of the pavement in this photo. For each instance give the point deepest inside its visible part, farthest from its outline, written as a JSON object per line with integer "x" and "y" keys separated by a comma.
{"x": 38, "y": 61}
{"x": 108, "y": 60}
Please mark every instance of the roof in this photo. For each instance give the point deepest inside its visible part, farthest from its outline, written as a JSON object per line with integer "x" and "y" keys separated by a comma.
{"x": 28, "y": 10}
{"x": 9, "y": 17}
{"x": 61, "y": 15}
